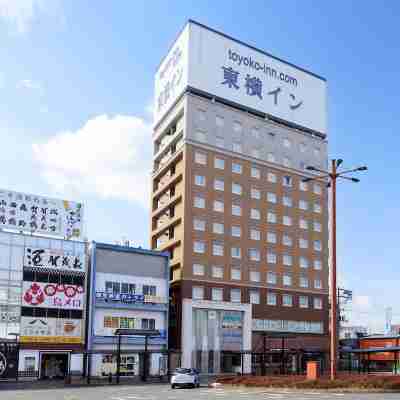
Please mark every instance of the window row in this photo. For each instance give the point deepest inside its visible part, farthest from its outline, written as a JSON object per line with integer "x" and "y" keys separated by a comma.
{"x": 237, "y": 168}
{"x": 200, "y": 225}
{"x": 272, "y": 298}
{"x": 254, "y": 254}
{"x": 129, "y": 323}
{"x": 129, "y": 288}
{"x": 255, "y": 213}
{"x": 286, "y": 279}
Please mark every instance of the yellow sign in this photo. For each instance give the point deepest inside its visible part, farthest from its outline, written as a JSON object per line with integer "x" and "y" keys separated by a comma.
{"x": 155, "y": 299}
{"x": 50, "y": 339}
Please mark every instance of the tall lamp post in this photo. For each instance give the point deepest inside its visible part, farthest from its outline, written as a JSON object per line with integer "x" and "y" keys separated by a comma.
{"x": 329, "y": 178}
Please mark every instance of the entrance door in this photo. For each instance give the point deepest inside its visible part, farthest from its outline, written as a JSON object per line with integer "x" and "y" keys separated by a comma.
{"x": 54, "y": 365}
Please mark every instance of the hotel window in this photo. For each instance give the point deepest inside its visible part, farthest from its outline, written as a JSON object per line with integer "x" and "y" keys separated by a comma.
{"x": 286, "y": 220}
{"x": 218, "y": 206}
{"x": 271, "y": 177}
{"x": 149, "y": 290}
{"x": 219, "y": 184}
{"x": 317, "y": 245}
{"x": 287, "y": 181}
{"x": 303, "y": 282}
{"x": 303, "y": 224}
{"x": 286, "y": 162}
{"x": 236, "y": 210}
{"x": 236, "y": 231}
{"x": 271, "y": 217}
{"x": 271, "y": 237}
{"x": 236, "y": 188}
{"x": 287, "y": 260}
{"x": 317, "y": 226}
{"x": 236, "y": 274}
{"x": 271, "y": 157}
{"x": 303, "y": 301}
{"x": 287, "y": 240}
{"x": 201, "y": 114}
{"x": 255, "y": 132}
{"x": 219, "y": 121}
{"x": 303, "y": 262}
{"x": 317, "y": 284}
{"x": 317, "y": 264}
{"x": 271, "y": 197}
{"x": 255, "y": 193}
{"x": 254, "y": 276}
{"x": 303, "y": 243}
{"x": 198, "y": 292}
{"x": 303, "y": 205}
{"x": 217, "y": 271}
{"x": 218, "y": 248}
{"x": 318, "y": 303}
{"x": 255, "y": 173}
{"x": 127, "y": 323}
{"x": 199, "y": 202}
{"x": 236, "y": 252}
{"x": 287, "y": 143}
{"x": 199, "y": 224}
{"x": 217, "y": 294}
{"x": 148, "y": 324}
{"x": 198, "y": 269}
{"x": 271, "y": 258}
{"x": 317, "y": 208}
{"x": 219, "y": 141}
{"x": 200, "y": 158}
{"x": 271, "y": 278}
{"x": 199, "y": 247}
{"x": 287, "y": 280}
{"x": 236, "y": 296}
{"x": 254, "y": 297}
{"x": 317, "y": 152}
{"x": 287, "y": 300}
{"x": 303, "y": 147}
{"x": 271, "y": 299}
{"x": 236, "y": 168}
{"x": 287, "y": 201}
{"x": 200, "y": 136}
{"x": 303, "y": 186}
{"x": 255, "y": 234}
{"x": 219, "y": 163}
{"x": 254, "y": 254}
{"x": 255, "y": 213}
{"x": 255, "y": 153}
{"x": 218, "y": 228}
{"x": 237, "y": 126}
{"x": 317, "y": 188}
{"x": 111, "y": 322}
{"x": 237, "y": 147}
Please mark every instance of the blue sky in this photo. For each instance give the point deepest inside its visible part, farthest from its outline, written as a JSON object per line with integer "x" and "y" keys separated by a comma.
{"x": 76, "y": 88}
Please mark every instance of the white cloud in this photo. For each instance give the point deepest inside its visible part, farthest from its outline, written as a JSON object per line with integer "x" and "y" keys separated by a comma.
{"x": 29, "y": 84}
{"x": 20, "y": 14}
{"x": 108, "y": 156}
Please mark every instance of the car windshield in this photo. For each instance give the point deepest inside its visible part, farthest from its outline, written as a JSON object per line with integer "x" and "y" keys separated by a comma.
{"x": 183, "y": 370}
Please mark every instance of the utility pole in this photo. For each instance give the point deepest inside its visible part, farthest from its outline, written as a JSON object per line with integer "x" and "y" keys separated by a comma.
{"x": 330, "y": 177}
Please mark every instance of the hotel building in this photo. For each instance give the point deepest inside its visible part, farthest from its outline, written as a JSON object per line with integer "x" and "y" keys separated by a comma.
{"x": 234, "y": 130}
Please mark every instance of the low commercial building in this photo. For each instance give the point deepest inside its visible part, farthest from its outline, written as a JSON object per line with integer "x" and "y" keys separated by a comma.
{"x": 129, "y": 290}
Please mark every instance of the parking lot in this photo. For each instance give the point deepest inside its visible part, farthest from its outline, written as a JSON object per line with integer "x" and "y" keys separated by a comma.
{"x": 164, "y": 392}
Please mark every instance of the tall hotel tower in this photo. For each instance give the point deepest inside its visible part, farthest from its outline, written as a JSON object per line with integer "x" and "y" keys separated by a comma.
{"x": 234, "y": 130}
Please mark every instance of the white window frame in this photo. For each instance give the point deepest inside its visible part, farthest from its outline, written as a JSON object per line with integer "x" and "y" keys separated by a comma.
{"x": 219, "y": 163}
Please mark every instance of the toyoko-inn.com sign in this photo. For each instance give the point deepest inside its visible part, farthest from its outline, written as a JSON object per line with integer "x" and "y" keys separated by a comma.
{"x": 32, "y": 213}
{"x": 220, "y": 66}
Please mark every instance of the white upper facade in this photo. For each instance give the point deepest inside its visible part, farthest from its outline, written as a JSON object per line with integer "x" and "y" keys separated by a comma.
{"x": 213, "y": 63}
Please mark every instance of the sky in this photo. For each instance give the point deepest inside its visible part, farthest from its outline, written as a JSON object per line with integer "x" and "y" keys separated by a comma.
{"x": 76, "y": 94}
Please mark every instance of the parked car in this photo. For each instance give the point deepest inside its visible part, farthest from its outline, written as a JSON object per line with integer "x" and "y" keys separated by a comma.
{"x": 188, "y": 377}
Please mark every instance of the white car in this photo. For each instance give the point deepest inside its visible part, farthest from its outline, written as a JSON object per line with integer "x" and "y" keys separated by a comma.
{"x": 185, "y": 377}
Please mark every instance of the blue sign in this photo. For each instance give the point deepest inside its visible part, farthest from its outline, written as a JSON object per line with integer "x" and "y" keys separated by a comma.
{"x": 120, "y": 297}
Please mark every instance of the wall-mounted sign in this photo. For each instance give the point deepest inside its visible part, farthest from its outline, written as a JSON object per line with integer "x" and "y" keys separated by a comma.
{"x": 105, "y": 296}
{"x": 278, "y": 325}
{"x": 220, "y": 66}
{"x": 8, "y": 360}
{"x": 31, "y": 213}
{"x": 52, "y": 295}
{"x": 53, "y": 259}
{"x": 9, "y": 316}
{"x": 51, "y": 330}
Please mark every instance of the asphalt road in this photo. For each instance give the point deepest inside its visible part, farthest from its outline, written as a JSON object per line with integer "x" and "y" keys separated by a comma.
{"x": 164, "y": 392}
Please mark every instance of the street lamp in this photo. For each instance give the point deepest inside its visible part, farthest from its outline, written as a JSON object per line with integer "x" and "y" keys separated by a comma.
{"x": 329, "y": 178}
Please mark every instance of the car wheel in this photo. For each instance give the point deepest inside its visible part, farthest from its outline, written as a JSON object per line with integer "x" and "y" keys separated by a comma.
{"x": 172, "y": 386}
{"x": 198, "y": 384}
